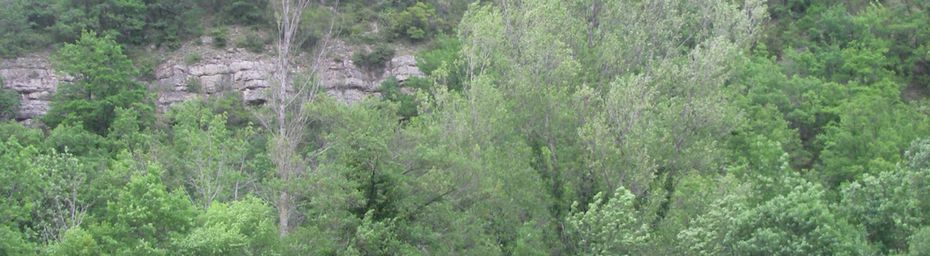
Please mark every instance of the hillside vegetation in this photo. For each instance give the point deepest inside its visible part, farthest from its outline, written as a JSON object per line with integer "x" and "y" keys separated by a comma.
{"x": 541, "y": 127}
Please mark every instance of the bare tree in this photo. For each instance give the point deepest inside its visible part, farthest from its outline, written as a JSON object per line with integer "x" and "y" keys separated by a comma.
{"x": 287, "y": 118}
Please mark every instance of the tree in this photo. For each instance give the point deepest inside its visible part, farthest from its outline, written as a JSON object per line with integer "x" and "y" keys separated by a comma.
{"x": 21, "y": 189}
{"x": 144, "y": 217}
{"x": 609, "y": 226}
{"x": 105, "y": 82}
{"x": 215, "y": 168}
{"x": 242, "y": 227}
{"x": 862, "y": 138}
{"x": 170, "y": 21}
{"x": 799, "y": 222}
{"x": 16, "y": 33}
{"x": 919, "y": 242}
{"x": 67, "y": 194}
{"x": 9, "y": 103}
{"x": 886, "y": 205}
{"x": 12, "y": 242}
{"x": 288, "y": 118}
{"x": 75, "y": 242}
{"x": 414, "y": 22}
{"x": 122, "y": 20}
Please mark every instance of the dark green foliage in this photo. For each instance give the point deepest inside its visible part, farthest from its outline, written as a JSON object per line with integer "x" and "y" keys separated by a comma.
{"x": 253, "y": 42}
{"x": 23, "y": 135}
{"x": 542, "y": 127}
{"x": 145, "y": 217}
{"x": 443, "y": 59}
{"x": 315, "y": 24}
{"x": 414, "y": 23}
{"x": 375, "y": 59}
{"x": 106, "y": 82}
{"x": 243, "y": 12}
{"x": 391, "y": 90}
{"x": 123, "y": 20}
{"x": 168, "y": 22}
{"x": 16, "y": 33}
{"x": 192, "y": 58}
{"x": 9, "y": 103}
{"x": 220, "y": 37}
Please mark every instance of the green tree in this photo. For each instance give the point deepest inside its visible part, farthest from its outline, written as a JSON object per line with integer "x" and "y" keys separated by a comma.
{"x": 872, "y": 129}
{"x": 16, "y": 31}
{"x": 210, "y": 158}
{"x": 243, "y": 227}
{"x": 123, "y": 20}
{"x": 797, "y": 223}
{"x": 415, "y": 22}
{"x": 920, "y": 242}
{"x": 105, "y": 82}
{"x": 9, "y": 103}
{"x": 170, "y": 21}
{"x": 609, "y": 226}
{"x": 13, "y": 243}
{"x": 21, "y": 189}
{"x": 75, "y": 242}
{"x": 887, "y": 205}
{"x": 144, "y": 217}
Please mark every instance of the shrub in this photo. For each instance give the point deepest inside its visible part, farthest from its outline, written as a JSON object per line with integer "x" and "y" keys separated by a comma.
{"x": 9, "y": 103}
{"x": 146, "y": 62}
{"x": 444, "y": 52}
{"x": 192, "y": 58}
{"x": 220, "y": 37}
{"x": 415, "y": 22}
{"x": 375, "y": 59}
{"x": 390, "y": 90}
{"x": 252, "y": 42}
{"x": 16, "y": 36}
{"x": 245, "y": 12}
{"x": 193, "y": 85}
{"x": 314, "y": 25}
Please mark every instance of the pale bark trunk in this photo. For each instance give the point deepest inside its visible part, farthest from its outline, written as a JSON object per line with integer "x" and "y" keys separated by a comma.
{"x": 288, "y": 117}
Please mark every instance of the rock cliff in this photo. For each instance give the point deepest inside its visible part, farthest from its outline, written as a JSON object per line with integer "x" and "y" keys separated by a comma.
{"x": 198, "y": 70}
{"x": 33, "y": 78}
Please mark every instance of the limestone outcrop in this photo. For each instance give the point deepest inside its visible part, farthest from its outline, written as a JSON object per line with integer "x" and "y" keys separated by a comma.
{"x": 199, "y": 70}
{"x": 349, "y": 83}
{"x": 33, "y": 78}
{"x": 183, "y": 77}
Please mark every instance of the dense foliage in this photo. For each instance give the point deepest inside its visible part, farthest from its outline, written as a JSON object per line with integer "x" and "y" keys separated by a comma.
{"x": 542, "y": 127}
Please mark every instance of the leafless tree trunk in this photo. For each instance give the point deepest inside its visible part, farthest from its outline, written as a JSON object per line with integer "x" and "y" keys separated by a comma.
{"x": 288, "y": 118}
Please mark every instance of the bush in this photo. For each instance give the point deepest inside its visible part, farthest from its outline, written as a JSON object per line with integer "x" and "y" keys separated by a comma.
{"x": 145, "y": 61}
{"x": 192, "y": 58}
{"x": 414, "y": 23}
{"x": 390, "y": 90}
{"x": 314, "y": 24}
{"x": 252, "y": 42}
{"x": 375, "y": 59}
{"x": 16, "y": 36}
{"x": 168, "y": 22}
{"x": 220, "y": 37}
{"x": 444, "y": 52}
{"x": 9, "y": 103}
{"x": 245, "y": 12}
{"x": 194, "y": 86}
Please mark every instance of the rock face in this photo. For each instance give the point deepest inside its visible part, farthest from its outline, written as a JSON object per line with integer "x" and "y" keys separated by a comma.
{"x": 349, "y": 83}
{"x": 199, "y": 70}
{"x": 179, "y": 79}
{"x": 32, "y": 77}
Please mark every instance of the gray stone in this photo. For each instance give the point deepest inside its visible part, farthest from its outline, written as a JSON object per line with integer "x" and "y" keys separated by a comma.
{"x": 33, "y": 78}
{"x": 220, "y": 70}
